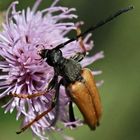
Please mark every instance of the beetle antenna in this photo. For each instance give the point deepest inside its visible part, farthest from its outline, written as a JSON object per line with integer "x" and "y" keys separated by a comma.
{"x": 99, "y": 24}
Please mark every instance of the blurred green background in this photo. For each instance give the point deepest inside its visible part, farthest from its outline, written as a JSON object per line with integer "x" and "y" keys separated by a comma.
{"x": 120, "y": 93}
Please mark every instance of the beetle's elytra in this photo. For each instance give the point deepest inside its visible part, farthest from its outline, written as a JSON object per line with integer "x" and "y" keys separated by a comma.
{"x": 85, "y": 95}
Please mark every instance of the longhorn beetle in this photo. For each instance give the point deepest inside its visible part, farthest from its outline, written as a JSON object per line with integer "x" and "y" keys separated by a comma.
{"x": 78, "y": 82}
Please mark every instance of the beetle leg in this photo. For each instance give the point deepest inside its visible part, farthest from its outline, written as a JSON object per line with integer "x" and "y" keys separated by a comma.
{"x": 36, "y": 119}
{"x": 79, "y": 55}
{"x": 53, "y": 104}
{"x": 50, "y": 86}
{"x": 71, "y": 114}
{"x": 56, "y": 102}
{"x": 53, "y": 81}
{"x": 78, "y": 30}
{"x": 25, "y": 96}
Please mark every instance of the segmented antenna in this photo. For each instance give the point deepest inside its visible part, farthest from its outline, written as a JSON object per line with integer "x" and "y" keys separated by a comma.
{"x": 99, "y": 24}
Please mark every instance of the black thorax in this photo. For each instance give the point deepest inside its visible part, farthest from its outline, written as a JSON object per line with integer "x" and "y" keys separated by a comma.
{"x": 69, "y": 69}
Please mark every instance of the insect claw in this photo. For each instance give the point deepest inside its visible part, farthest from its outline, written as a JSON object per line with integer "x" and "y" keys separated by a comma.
{"x": 94, "y": 128}
{"x": 19, "y": 132}
{"x": 22, "y": 130}
{"x": 72, "y": 125}
{"x": 98, "y": 123}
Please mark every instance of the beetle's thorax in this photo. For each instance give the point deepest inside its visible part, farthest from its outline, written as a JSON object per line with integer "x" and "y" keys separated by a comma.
{"x": 70, "y": 70}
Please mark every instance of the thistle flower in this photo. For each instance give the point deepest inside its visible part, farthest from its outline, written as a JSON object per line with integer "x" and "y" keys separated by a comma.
{"x": 23, "y": 72}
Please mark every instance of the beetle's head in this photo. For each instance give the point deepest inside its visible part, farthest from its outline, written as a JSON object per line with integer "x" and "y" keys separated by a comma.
{"x": 43, "y": 53}
{"x": 53, "y": 57}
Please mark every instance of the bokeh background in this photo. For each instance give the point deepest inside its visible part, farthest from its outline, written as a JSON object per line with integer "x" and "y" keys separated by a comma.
{"x": 120, "y": 93}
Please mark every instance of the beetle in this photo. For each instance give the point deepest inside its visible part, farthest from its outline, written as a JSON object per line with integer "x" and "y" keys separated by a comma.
{"x": 79, "y": 82}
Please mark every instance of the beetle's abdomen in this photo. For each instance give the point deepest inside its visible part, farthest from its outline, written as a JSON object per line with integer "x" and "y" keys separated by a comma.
{"x": 86, "y": 97}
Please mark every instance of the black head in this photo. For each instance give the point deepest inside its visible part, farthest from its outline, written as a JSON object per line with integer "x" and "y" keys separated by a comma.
{"x": 53, "y": 57}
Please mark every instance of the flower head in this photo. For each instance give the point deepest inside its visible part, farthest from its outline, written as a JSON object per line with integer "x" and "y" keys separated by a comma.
{"x": 24, "y": 73}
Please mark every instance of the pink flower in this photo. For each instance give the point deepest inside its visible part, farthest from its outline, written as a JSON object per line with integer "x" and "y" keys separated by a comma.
{"x": 24, "y": 34}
